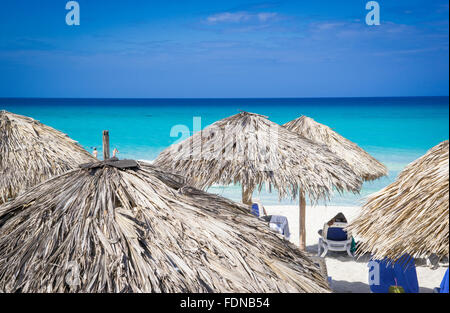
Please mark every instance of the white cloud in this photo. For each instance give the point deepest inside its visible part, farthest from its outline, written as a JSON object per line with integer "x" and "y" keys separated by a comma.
{"x": 239, "y": 17}
{"x": 263, "y": 17}
{"x": 326, "y": 26}
{"x": 228, "y": 17}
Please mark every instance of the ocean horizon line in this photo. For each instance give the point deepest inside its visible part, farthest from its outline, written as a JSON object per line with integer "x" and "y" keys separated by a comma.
{"x": 218, "y": 98}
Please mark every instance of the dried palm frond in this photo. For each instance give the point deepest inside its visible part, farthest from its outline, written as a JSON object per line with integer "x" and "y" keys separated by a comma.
{"x": 362, "y": 163}
{"x": 250, "y": 149}
{"x": 107, "y": 228}
{"x": 31, "y": 152}
{"x": 410, "y": 215}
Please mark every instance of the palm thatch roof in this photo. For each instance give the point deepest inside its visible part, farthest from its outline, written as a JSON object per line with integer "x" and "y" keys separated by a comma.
{"x": 135, "y": 228}
{"x": 31, "y": 152}
{"x": 410, "y": 215}
{"x": 250, "y": 149}
{"x": 366, "y": 166}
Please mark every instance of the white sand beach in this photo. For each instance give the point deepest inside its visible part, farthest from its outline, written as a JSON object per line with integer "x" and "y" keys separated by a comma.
{"x": 348, "y": 275}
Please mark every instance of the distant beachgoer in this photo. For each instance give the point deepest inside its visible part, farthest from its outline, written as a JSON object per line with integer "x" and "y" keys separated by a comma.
{"x": 114, "y": 152}
{"x": 339, "y": 218}
{"x": 95, "y": 152}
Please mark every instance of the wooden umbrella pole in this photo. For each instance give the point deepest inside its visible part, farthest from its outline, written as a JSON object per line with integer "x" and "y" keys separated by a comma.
{"x": 302, "y": 215}
{"x": 105, "y": 145}
{"x": 246, "y": 195}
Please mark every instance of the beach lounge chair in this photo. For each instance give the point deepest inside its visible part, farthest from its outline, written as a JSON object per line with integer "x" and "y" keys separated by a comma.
{"x": 256, "y": 209}
{"x": 336, "y": 239}
{"x": 277, "y": 223}
{"x": 444, "y": 284}
{"x": 385, "y": 274}
{"x": 280, "y": 224}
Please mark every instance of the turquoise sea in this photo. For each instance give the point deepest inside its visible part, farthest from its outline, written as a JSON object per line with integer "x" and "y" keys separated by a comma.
{"x": 396, "y": 131}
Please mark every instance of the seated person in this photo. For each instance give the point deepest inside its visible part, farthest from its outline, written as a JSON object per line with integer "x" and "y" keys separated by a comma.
{"x": 333, "y": 229}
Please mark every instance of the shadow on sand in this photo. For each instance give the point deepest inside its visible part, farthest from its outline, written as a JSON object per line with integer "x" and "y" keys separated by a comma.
{"x": 342, "y": 286}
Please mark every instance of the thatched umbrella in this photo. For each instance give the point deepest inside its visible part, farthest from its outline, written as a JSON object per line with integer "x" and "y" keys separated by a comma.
{"x": 361, "y": 162}
{"x": 126, "y": 226}
{"x": 31, "y": 152}
{"x": 410, "y": 215}
{"x": 250, "y": 149}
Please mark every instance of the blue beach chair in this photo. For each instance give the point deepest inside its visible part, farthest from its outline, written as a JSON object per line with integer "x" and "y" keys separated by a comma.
{"x": 337, "y": 240}
{"x": 255, "y": 209}
{"x": 384, "y": 274}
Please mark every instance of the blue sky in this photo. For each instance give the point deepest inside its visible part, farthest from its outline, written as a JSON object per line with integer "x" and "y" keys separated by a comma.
{"x": 189, "y": 49}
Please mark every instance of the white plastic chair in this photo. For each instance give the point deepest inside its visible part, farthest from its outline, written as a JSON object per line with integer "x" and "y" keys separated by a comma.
{"x": 326, "y": 245}
{"x": 331, "y": 245}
